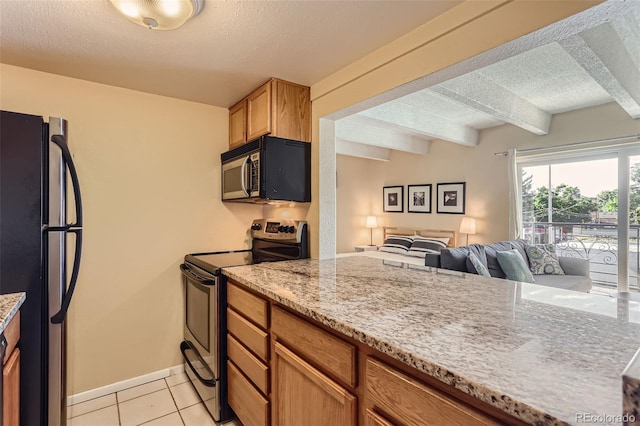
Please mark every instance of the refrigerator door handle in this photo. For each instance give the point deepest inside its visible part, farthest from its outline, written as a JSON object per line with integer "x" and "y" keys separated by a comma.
{"x": 68, "y": 294}
{"x": 61, "y": 142}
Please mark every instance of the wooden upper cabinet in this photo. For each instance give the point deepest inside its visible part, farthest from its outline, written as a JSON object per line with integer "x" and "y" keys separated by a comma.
{"x": 259, "y": 112}
{"x": 291, "y": 111}
{"x": 277, "y": 108}
{"x": 238, "y": 124}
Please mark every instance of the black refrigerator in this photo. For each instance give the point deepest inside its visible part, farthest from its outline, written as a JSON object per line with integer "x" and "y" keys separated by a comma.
{"x": 35, "y": 236}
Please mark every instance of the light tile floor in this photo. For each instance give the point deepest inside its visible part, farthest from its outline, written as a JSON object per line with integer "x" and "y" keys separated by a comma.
{"x": 165, "y": 402}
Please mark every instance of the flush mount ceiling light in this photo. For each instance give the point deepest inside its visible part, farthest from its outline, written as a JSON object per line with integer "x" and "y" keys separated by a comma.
{"x": 159, "y": 14}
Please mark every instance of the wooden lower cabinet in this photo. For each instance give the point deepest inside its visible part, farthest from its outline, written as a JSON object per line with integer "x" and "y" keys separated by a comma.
{"x": 374, "y": 419}
{"x": 410, "y": 402}
{"x": 311, "y": 375}
{"x": 302, "y": 395}
{"x": 250, "y": 406}
{"x": 11, "y": 375}
{"x": 11, "y": 390}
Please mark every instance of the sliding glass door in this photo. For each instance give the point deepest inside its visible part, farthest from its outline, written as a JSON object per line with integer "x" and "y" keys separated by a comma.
{"x": 634, "y": 220}
{"x": 572, "y": 200}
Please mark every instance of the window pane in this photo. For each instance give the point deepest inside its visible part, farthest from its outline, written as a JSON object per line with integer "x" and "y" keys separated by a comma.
{"x": 535, "y": 179}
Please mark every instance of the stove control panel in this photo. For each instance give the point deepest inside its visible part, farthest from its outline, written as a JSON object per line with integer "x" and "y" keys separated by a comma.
{"x": 278, "y": 229}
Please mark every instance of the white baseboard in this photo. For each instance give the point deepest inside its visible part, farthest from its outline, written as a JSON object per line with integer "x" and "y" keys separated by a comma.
{"x": 124, "y": 384}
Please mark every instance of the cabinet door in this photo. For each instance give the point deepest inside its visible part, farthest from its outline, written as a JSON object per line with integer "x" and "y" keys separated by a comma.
{"x": 259, "y": 112}
{"x": 410, "y": 402}
{"x": 238, "y": 124}
{"x": 11, "y": 390}
{"x": 291, "y": 111}
{"x": 303, "y": 395}
{"x": 373, "y": 419}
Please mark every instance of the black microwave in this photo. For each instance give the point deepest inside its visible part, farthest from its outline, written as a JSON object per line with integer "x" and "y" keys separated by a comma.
{"x": 267, "y": 169}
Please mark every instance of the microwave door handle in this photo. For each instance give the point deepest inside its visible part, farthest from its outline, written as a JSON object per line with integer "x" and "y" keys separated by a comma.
{"x": 243, "y": 173}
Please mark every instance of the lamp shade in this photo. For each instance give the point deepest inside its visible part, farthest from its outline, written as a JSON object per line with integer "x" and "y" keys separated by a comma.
{"x": 372, "y": 222}
{"x": 468, "y": 225}
{"x": 159, "y": 14}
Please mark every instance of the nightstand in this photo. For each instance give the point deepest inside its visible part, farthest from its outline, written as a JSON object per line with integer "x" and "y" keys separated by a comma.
{"x": 366, "y": 248}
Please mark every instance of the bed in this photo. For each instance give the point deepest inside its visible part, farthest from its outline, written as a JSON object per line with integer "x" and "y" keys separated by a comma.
{"x": 390, "y": 232}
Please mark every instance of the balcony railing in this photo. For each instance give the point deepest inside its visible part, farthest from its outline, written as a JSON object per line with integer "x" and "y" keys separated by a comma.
{"x": 597, "y": 242}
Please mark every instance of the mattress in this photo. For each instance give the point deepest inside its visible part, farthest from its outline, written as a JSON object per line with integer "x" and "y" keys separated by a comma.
{"x": 395, "y": 257}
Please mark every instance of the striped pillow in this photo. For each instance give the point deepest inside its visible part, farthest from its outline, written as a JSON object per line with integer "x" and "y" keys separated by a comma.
{"x": 422, "y": 246}
{"x": 397, "y": 244}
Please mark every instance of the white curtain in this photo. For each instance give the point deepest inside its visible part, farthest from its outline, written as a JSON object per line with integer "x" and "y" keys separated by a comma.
{"x": 515, "y": 197}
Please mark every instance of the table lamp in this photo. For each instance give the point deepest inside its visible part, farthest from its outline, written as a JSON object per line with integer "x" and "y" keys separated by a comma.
{"x": 372, "y": 222}
{"x": 468, "y": 226}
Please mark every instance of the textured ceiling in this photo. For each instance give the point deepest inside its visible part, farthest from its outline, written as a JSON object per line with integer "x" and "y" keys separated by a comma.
{"x": 217, "y": 57}
{"x": 598, "y": 64}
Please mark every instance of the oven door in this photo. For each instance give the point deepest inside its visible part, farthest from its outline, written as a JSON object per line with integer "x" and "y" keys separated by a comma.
{"x": 202, "y": 332}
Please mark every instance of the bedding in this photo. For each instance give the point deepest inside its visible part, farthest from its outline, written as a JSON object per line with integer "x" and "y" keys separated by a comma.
{"x": 409, "y": 245}
{"x": 395, "y": 257}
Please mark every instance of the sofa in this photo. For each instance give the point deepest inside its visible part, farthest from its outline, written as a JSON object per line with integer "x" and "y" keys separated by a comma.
{"x": 576, "y": 270}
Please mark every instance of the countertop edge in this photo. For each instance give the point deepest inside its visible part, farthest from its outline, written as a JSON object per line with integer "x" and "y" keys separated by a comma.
{"x": 476, "y": 390}
{"x": 9, "y": 306}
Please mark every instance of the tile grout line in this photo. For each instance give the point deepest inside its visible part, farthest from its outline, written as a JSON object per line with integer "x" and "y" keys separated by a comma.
{"x": 147, "y": 394}
{"x": 174, "y": 401}
{"x": 138, "y": 396}
{"x": 97, "y": 409}
{"x": 118, "y": 409}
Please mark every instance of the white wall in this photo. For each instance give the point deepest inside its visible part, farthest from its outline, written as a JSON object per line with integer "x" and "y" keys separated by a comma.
{"x": 149, "y": 168}
{"x": 360, "y": 181}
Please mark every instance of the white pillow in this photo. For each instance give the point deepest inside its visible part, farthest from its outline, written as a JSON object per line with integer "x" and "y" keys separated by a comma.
{"x": 445, "y": 240}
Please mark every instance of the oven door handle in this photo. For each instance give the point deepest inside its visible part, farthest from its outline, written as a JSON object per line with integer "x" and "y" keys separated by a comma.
{"x": 186, "y": 346}
{"x": 187, "y": 272}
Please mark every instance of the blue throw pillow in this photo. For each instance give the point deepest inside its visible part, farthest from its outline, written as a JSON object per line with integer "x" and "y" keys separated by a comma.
{"x": 477, "y": 264}
{"x": 514, "y": 266}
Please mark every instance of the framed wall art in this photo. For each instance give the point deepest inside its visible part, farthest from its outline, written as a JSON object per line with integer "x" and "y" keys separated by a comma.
{"x": 419, "y": 198}
{"x": 392, "y": 200}
{"x": 451, "y": 197}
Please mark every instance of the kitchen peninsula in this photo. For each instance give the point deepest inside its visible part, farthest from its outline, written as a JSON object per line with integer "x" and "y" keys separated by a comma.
{"x": 506, "y": 352}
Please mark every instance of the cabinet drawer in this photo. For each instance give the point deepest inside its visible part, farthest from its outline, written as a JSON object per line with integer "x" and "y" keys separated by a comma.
{"x": 12, "y": 334}
{"x": 408, "y": 401}
{"x": 332, "y": 354}
{"x": 251, "y": 407}
{"x": 251, "y": 366}
{"x": 251, "y": 306}
{"x": 250, "y": 335}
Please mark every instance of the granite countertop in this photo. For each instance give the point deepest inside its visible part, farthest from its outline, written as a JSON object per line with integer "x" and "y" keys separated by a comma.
{"x": 9, "y": 306}
{"x": 544, "y": 355}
